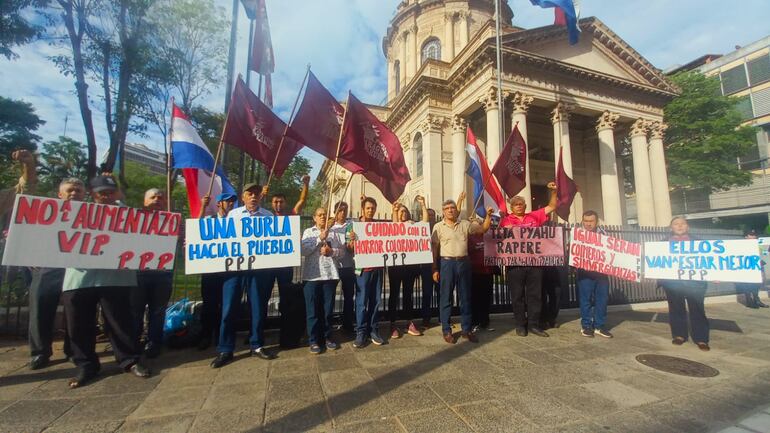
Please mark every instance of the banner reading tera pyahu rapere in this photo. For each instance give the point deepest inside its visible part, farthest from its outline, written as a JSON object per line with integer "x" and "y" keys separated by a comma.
{"x": 734, "y": 260}
{"x": 380, "y": 244}
{"x": 54, "y": 233}
{"x": 597, "y": 252}
{"x": 524, "y": 246}
{"x": 241, "y": 243}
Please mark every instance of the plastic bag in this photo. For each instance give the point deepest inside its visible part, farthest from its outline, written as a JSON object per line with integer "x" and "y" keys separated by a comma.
{"x": 179, "y": 316}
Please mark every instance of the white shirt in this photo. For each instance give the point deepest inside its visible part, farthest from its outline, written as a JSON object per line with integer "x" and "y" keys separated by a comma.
{"x": 318, "y": 267}
{"x": 241, "y": 211}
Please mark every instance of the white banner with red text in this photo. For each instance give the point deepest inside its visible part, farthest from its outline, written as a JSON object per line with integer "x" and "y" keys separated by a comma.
{"x": 380, "y": 244}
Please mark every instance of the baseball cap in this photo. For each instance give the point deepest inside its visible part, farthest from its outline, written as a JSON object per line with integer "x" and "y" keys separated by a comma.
{"x": 101, "y": 183}
{"x": 225, "y": 196}
{"x": 251, "y": 185}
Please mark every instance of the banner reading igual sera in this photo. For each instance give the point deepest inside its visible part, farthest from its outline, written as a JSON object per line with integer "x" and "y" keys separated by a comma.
{"x": 608, "y": 255}
{"x": 380, "y": 244}
{"x": 53, "y": 233}
{"x": 524, "y": 246}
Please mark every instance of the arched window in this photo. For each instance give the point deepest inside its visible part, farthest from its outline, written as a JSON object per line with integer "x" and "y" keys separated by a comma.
{"x": 397, "y": 75}
{"x": 417, "y": 144}
{"x": 431, "y": 49}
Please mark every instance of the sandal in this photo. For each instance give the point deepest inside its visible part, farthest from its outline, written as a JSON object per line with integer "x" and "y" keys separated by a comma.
{"x": 703, "y": 346}
{"x": 678, "y": 341}
{"x": 81, "y": 379}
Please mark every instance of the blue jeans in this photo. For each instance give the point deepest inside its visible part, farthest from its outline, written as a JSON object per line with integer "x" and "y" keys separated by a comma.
{"x": 258, "y": 286}
{"x": 455, "y": 273}
{"x": 598, "y": 289}
{"x": 319, "y": 301}
{"x": 348, "y": 280}
{"x": 368, "y": 298}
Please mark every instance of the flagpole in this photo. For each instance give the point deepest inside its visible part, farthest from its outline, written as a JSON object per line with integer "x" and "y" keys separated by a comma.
{"x": 486, "y": 181}
{"x": 169, "y": 156}
{"x": 254, "y": 166}
{"x": 337, "y": 156}
{"x": 500, "y": 112}
{"x": 242, "y": 159}
{"x": 286, "y": 129}
{"x": 219, "y": 149}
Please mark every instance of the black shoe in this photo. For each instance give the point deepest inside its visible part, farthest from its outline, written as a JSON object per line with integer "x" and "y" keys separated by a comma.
{"x": 587, "y": 332}
{"x": 83, "y": 377}
{"x": 521, "y": 331}
{"x": 539, "y": 332}
{"x": 151, "y": 350}
{"x": 38, "y": 362}
{"x": 761, "y": 304}
{"x": 222, "y": 359}
{"x": 260, "y": 352}
{"x": 140, "y": 370}
{"x": 603, "y": 333}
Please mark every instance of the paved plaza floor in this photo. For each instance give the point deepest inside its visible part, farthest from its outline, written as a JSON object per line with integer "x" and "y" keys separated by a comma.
{"x": 505, "y": 383}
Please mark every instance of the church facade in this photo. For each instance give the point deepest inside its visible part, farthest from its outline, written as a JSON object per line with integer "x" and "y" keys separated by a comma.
{"x": 592, "y": 101}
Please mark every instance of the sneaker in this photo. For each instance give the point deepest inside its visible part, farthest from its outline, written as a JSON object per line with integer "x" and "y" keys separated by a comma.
{"x": 395, "y": 333}
{"x": 587, "y": 332}
{"x": 315, "y": 349}
{"x": 332, "y": 345}
{"x": 476, "y": 329}
{"x": 603, "y": 333}
{"x": 412, "y": 330}
{"x": 376, "y": 339}
{"x": 360, "y": 341}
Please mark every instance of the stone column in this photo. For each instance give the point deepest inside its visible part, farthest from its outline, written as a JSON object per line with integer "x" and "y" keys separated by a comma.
{"x": 432, "y": 167}
{"x": 402, "y": 63}
{"x": 521, "y": 103}
{"x": 645, "y": 209}
{"x": 609, "y": 171}
{"x": 492, "y": 107}
{"x": 415, "y": 63}
{"x": 660, "y": 191}
{"x": 464, "y": 18}
{"x": 448, "y": 50}
{"x": 560, "y": 121}
{"x": 458, "y": 155}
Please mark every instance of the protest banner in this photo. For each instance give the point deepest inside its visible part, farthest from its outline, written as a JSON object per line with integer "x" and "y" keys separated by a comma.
{"x": 241, "y": 243}
{"x": 53, "y": 233}
{"x": 735, "y": 260}
{"x": 380, "y": 244}
{"x": 524, "y": 246}
{"x": 597, "y": 252}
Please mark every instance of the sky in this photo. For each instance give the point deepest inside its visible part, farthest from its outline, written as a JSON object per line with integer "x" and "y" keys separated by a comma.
{"x": 341, "y": 39}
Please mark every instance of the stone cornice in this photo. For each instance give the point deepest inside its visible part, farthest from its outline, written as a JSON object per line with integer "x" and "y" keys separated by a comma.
{"x": 607, "y": 120}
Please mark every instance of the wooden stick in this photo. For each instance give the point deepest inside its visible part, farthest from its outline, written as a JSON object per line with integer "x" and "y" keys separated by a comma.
{"x": 337, "y": 156}
{"x": 169, "y": 156}
{"x": 219, "y": 147}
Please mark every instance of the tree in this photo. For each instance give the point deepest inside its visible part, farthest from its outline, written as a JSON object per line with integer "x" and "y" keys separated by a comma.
{"x": 705, "y": 136}
{"x": 17, "y": 123}
{"x": 140, "y": 179}
{"x": 61, "y": 159}
{"x": 15, "y": 29}
{"x": 291, "y": 182}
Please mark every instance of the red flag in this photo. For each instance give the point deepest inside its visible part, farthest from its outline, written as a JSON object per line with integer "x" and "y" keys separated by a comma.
{"x": 511, "y": 166}
{"x": 252, "y": 127}
{"x": 559, "y": 19}
{"x": 318, "y": 123}
{"x": 370, "y": 143}
{"x": 262, "y": 59}
{"x": 566, "y": 188}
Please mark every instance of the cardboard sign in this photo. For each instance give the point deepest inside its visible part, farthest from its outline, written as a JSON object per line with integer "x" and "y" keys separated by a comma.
{"x": 735, "y": 260}
{"x": 380, "y": 244}
{"x": 53, "y": 233}
{"x": 607, "y": 255}
{"x": 524, "y": 246}
{"x": 241, "y": 243}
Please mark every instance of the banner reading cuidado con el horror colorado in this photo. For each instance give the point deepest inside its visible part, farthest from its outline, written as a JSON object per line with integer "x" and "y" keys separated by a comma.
{"x": 241, "y": 243}
{"x": 380, "y": 244}
{"x": 735, "y": 260}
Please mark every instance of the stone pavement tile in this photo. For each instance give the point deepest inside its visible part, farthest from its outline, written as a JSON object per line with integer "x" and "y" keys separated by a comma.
{"x": 437, "y": 420}
{"x": 340, "y": 381}
{"x": 18, "y": 390}
{"x": 240, "y": 372}
{"x": 372, "y": 359}
{"x": 190, "y": 376}
{"x": 358, "y": 405}
{"x": 458, "y": 390}
{"x": 391, "y": 377}
{"x": 573, "y": 427}
{"x": 387, "y": 425}
{"x": 296, "y": 416}
{"x": 745, "y": 396}
{"x": 34, "y": 412}
{"x": 542, "y": 409}
{"x": 121, "y": 383}
{"x": 713, "y": 410}
{"x": 334, "y": 361}
{"x": 556, "y": 340}
{"x": 493, "y": 417}
{"x": 412, "y": 397}
{"x": 291, "y": 367}
{"x": 435, "y": 371}
{"x": 167, "y": 402}
{"x": 632, "y": 421}
{"x": 503, "y": 358}
{"x": 301, "y": 388}
{"x": 235, "y": 395}
{"x": 247, "y": 418}
{"x": 101, "y": 408}
{"x": 758, "y": 422}
{"x": 734, "y": 429}
{"x": 653, "y": 385}
{"x": 84, "y": 427}
{"x": 177, "y": 423}
{"x": 624, "y": 395}
{"x": 675, "y": 416}
{"x": 585, "y": 401}
{"x": 551, "y": 376}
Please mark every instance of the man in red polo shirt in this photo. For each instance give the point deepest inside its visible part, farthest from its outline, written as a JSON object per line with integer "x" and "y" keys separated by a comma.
{"x": 525, "y": 282}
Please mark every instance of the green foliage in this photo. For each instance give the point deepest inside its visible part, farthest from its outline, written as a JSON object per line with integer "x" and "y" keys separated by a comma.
{"x": 61, "y": 159}
{"x": 17, "y": 123}
{"x": 15, "y": 29}
{"x": 140, "y": 179}
{"x": 704, "y": 137}
{"x": 290, "y": 183}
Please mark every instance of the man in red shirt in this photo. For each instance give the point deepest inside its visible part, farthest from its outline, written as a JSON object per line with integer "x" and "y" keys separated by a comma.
{"x": 525, "y": 282}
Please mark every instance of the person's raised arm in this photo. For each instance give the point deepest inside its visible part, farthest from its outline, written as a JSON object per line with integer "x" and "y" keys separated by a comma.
{"x": 460, "y": 201}
{"x": 425, "y": 217}
{"x": 205, "y": 200}
{"x": 551, "y": 206}
{"x": 487, "y": 220}
{"x": 28, "y": 182}
{"x": 394, "y": 211}
{"x": 302, "y": 195}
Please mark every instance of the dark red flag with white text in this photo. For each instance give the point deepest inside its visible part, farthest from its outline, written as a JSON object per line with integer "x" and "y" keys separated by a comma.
{"x": 370, "y": 143}
{"x": 566, "y": 188}
{"x": 254, "y": 128}
{"x": 511, "y": 166}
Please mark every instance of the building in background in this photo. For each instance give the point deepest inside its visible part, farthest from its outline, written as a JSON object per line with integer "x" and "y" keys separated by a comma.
{"x": 745, "y": 75}
{"x": 153, "y": 160}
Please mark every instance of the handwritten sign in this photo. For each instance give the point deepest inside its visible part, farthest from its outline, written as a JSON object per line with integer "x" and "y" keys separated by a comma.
{"x": 524, "y": 246}
{"x": 735, "y": 260}
{"x": 607, "y": 255}
{"x": 380, "y": 244}
{"x": 241, "y": 244}
{"x": 53, "y": 233}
